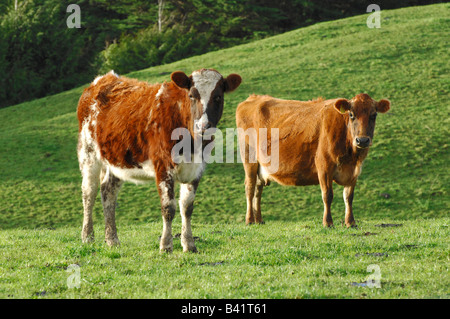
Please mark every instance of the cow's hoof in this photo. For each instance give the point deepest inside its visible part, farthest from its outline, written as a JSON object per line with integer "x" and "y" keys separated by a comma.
{"x": 255, "y": 223}
{"x": 167, "y": 250}
{"x": 166, "y": 247}
{"x": 350, "y": 224}
{"x": 166, "y": 244}
{"x": 112, "y": 242}
{"x": 188, "y": 244}
{"x": 190, "y": 250}
{"x": 87, "y": 238}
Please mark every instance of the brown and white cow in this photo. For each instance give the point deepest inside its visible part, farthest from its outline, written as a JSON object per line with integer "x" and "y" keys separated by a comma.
{"x": 125, "y": 134}
{"x": 318, "y": 142}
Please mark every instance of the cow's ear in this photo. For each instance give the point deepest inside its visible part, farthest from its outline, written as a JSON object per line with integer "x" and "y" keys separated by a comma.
{"x": 181, "y": 79}
{"x": 232, "y": 82}
{"x": 383, "y": 106}
{"x": 342, "y": 105}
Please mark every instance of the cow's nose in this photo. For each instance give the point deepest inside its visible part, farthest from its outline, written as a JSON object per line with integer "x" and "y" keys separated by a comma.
{"x": 363, "y": 141}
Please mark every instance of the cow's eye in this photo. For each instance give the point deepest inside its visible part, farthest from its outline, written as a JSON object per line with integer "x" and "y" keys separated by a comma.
{"x": 373, "y": 116}
{"x": 218, "y": 99}
{"x": 352, "y": 116}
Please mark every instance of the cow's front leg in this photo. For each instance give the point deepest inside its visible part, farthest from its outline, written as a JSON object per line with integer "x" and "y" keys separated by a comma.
{"x": 326, "y": 185}
{"x": 166, "y": 187}
{"x": 348, "y": 200}
{"x": 187, "y": 196}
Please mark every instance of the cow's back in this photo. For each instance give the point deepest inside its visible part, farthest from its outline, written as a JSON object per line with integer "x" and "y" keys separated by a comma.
{"x": 287, "y": 115}
{"x": 299, "y": 125}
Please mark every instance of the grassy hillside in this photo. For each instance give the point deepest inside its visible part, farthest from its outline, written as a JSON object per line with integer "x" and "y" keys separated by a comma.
{"x": 291, "y": 256}
{"x": 406, "y": 61}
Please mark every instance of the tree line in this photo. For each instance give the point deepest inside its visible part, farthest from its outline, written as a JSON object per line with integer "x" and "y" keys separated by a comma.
{"x": 40, "y": 55}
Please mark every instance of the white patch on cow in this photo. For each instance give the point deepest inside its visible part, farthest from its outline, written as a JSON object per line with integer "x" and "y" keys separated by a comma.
{"x": 135, "y": 175}
{"x": 88, "y": 150}
{"x": 94, "y": 108}
{"x": 158, "y": 98}
{"x": 160, "y": 91}
{"x": 266, "y": 177}
{"x": 150, "y": 115}
{"x": 188, "y": 172}
{"x": 264, "y": 174}
{"x": 94, "y": 111}
{"x": 105, "y": 176}
{"x": 98, "y": 78}
{"x": 205, "y": 81}
{"x": 184, "y": 172}
{"x": 201, "y": 122}
{"x": 113, "y": 73}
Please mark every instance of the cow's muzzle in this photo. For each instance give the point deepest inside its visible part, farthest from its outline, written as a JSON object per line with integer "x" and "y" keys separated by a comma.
{"x": 363, "y": 141}
{"x": 206, "y": 131}
{"x": 203, "y": 127}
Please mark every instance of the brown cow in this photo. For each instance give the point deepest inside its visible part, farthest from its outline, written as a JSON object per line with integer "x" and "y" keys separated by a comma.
{"x": 318, "y": 142}
{"x": 126, "y": 134}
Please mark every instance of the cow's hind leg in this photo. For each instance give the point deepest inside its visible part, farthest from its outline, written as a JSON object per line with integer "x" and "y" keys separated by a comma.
{"x": 187, "y": 196}
{"x": 257, "y": 201}
{"x": 90, "y": 171}
{"x": 110, "y": 188}
{"x": 326, "y": 185}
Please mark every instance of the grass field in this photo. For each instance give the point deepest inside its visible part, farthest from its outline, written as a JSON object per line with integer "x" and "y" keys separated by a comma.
{"x": 405, "y": 61}
{"x": 277, "y": 260}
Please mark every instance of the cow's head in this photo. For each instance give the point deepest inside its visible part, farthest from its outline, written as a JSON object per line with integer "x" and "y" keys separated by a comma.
{"x": 362, "y": 112}
{"x": 206, "y": 89}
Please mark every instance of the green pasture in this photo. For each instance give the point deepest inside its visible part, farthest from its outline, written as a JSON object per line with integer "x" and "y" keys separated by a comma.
{"x": 405, "y": 180}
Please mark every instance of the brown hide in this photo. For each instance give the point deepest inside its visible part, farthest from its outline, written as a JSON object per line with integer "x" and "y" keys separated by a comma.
{"x": 132, "y": 124}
